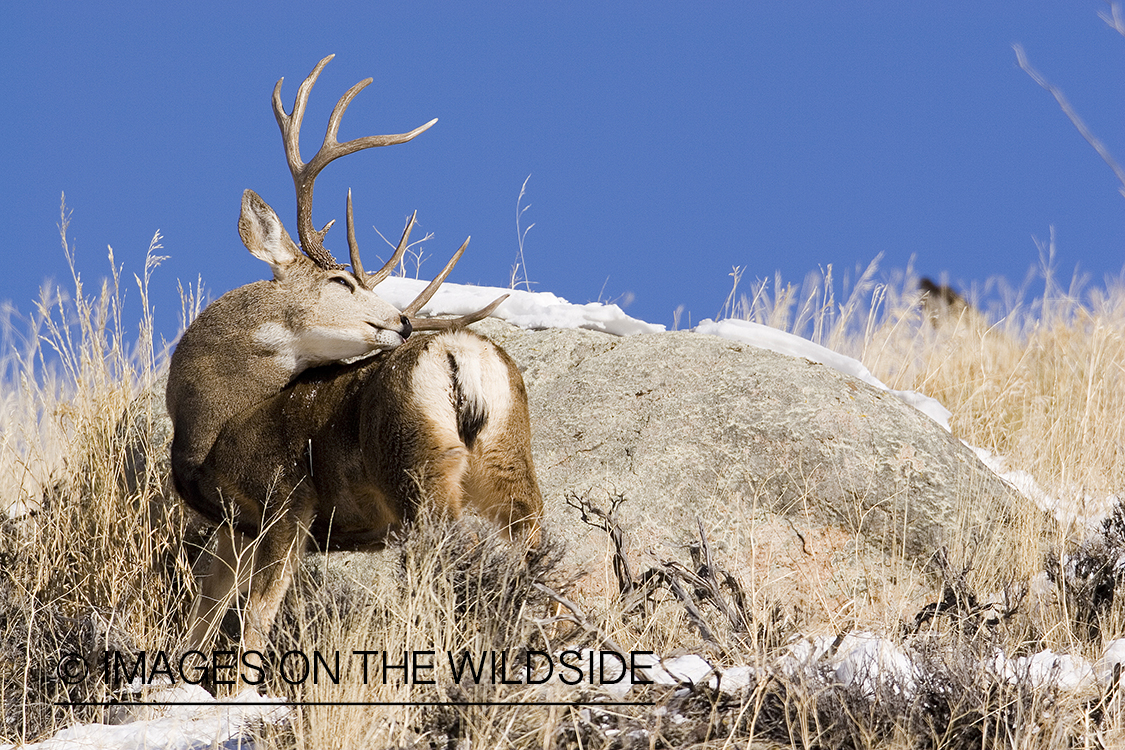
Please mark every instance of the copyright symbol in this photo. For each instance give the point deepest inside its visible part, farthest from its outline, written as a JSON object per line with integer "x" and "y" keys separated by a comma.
{"x": 72, "y": 669}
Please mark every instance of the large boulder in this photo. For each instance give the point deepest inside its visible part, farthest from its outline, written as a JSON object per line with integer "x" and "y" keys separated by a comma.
{"x": 806, "y": 480}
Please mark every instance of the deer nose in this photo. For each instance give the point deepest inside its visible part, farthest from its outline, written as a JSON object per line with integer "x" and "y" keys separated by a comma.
{"x": 406, "y": 327}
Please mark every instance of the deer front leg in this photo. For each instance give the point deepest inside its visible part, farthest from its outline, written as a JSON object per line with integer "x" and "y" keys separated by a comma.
{"x": 229, "y": 571}
{"x": 277, "y": 553}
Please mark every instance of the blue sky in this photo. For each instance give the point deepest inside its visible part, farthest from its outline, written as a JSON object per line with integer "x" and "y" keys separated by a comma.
{"x": 665, "y": 142}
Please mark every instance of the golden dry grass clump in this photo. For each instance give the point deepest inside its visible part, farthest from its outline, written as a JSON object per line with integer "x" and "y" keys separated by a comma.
{"x": 86, "y": 565}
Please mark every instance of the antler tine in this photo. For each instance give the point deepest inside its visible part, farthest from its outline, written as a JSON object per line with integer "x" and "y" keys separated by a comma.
{"x": 333, "y": 149}
{"x": 304, "y": 174}
{"x": 353, "y": 248}
{"x": 439, "y": 324}
{"x": 428, "y": 292}
{"x": 291, "y": 136}
{"x": 390, "y": 265}
{"x": 290, "y": 124}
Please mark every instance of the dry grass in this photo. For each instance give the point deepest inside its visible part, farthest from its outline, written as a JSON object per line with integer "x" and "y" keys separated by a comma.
{"x": 96, "y": 563}
{"x": 86, "y": 565}
{"x": 1037, "y": 380}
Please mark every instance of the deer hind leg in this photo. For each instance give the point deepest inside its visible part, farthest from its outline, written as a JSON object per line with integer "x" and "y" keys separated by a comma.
{"x": 434, "y": 455}
{"x": 475, "y": 443}
{"x": 501, "y": 485}
{"x": 438, "y": 478}
{"x": 493, "y": 424}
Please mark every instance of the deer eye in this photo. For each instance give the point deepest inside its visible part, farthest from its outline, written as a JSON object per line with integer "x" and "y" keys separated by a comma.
{"x": 344, "y": 282}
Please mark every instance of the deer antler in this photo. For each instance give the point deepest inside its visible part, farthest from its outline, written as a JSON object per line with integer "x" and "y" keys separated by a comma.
{"x": 304, "y": 175}
{"x": 418, "y": 324}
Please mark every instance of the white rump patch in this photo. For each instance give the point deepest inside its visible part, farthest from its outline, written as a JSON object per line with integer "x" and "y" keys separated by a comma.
{"x": 481, "y": 376}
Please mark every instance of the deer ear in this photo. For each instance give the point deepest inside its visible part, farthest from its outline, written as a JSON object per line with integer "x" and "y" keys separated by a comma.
{"x": 264, "y": 235}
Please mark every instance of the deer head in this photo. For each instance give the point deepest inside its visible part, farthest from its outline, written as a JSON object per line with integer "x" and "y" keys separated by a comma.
{"x": 338, "y": 315}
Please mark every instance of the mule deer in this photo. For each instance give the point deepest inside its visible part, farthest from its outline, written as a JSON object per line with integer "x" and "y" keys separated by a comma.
{"x": 942, "y": 303}
{"x": 280, "y": 442}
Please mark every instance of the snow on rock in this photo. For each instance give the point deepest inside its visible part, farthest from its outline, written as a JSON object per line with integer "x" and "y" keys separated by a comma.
{"x": 545, "y": 310}
{"x": 525, "y": 309}
{"x": 172, "y": 724}
{"x": 764, "y": 337}
{"x": 1075, "y": 509}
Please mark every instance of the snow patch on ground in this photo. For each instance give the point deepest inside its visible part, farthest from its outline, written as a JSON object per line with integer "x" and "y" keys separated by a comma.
{"x": 695, "y": 670}
{"x": 871, "y": 662}
{"x": 862, "y": 659}
{"x": 167, "y": 723}
{"x": 1041, "y": 669}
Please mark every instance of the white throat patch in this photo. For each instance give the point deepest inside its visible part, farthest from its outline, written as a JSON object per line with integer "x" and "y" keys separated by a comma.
{"x": 279, "y": 340}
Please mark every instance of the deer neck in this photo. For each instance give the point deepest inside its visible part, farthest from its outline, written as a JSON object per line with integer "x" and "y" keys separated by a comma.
{"x": 228, "y": 361}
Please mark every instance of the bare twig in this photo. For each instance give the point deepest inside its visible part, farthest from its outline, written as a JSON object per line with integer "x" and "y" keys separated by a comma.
{"x": 607, "y": 521}
{"x": 1115, "y": 19}
{"x": 577, "y": 616}
{"x": 521, "y": 237}
{"x": 1069, "y": 111}
{"x": 669, "y": 579}
{"x": 708, "y": 574}
{"x": 961, "y": 603}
